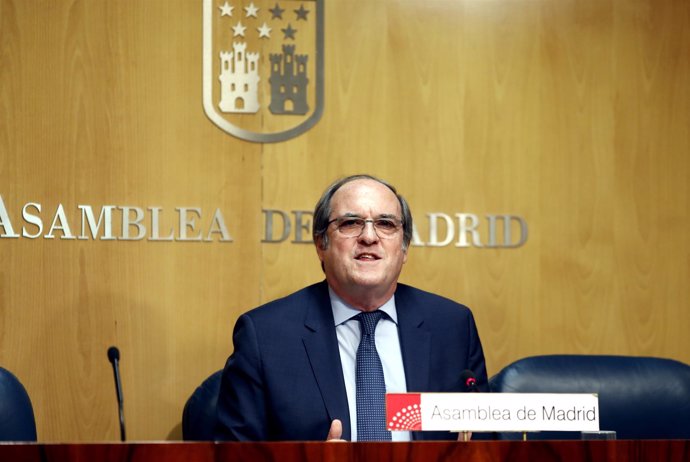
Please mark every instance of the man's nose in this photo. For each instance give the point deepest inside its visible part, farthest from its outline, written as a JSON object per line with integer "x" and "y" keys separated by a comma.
{"x": 368, "y": 234}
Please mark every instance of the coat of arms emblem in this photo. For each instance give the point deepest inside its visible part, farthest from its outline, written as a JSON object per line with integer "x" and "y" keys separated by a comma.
{"x": 263, "y": 67}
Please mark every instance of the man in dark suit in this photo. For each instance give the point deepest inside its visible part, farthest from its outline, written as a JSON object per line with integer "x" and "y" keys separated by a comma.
{"x": 295, "y": 371}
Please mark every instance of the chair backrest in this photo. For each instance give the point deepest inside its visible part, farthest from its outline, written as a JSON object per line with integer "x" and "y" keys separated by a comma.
{"x": 639, "y": 397}
{"x": 17, "y": 421}
{"x": 199, "y": 415}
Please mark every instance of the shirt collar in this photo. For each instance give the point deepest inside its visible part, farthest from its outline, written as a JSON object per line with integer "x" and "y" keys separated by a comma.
{"x": 342, "y": 312}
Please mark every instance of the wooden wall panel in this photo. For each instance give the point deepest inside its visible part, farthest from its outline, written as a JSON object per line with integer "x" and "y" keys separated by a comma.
{"x": 570, "y": 114}
{"x": 101, "y": 105}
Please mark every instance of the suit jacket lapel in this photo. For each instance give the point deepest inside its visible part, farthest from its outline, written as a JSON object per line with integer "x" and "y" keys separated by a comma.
{"x": 415, "y": 342}
{"x": 321, "y": 344}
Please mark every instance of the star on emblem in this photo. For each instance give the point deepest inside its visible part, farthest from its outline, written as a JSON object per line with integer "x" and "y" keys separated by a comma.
{"x": 289, "y": 32}
{"x": 238, "y": 29}
{"x": 276, "y": 12}
{"x": 264, "y": 31}
{"x": 251, "y": 10}
{"x": 301, "y": 13}
{"x": 226, "y": 9}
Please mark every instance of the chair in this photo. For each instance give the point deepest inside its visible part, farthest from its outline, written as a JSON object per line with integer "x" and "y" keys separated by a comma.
{"x": 639, "y": 397}
{"x": 199, "y": 415}
{"x": 17, "y": 421}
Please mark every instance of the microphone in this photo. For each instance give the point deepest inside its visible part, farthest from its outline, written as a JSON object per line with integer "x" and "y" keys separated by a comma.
{"x": 114, "y": 358}
{"x": 469, "y": 381}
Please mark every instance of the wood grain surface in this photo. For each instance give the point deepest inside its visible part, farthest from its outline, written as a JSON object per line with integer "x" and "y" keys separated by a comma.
{"x": 573, "y": 115}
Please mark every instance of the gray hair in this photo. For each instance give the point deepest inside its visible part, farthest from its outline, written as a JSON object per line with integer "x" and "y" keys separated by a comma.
{"x": 323, "y": 209}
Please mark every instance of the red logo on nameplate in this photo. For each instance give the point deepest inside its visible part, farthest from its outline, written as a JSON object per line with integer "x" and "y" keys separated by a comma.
{"x": 404, "y": 411}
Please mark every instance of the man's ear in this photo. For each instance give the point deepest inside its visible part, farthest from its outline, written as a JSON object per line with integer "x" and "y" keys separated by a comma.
{"x": 320, "y": 244}
{"x": 320, "y": 251}
{"x": 319, "y": 247}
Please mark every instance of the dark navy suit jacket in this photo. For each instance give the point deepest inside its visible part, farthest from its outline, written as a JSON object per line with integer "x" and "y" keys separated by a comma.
{"x": 284, "y": 380}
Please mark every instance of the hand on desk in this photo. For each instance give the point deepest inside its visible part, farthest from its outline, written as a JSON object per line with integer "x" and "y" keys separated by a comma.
{"x": 335, "y": 433}
{"x": 464, "y": 436}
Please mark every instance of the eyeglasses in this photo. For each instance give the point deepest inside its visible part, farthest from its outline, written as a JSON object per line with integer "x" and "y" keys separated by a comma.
{"x": 354, "y": 226}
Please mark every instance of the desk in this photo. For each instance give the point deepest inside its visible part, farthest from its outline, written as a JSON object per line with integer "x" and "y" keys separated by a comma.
{"x": 479, "y": 451}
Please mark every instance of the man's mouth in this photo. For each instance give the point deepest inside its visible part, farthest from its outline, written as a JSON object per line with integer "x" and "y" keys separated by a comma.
{"x": 367, "y": 257}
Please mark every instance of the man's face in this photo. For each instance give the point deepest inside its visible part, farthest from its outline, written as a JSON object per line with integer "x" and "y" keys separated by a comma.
{"x": 365, "y": 266}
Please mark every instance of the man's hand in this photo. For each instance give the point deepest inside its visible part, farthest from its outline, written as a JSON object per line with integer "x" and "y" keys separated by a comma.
{"x": 463, "y": 436}
{"x": 335, "y": 434}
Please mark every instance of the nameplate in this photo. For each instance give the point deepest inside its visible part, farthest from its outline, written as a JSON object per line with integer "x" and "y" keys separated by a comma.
{"x": 488, "y": 412}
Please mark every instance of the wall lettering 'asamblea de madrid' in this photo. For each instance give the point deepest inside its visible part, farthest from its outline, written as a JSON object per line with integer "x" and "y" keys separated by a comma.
{"x": 193, "y": 224}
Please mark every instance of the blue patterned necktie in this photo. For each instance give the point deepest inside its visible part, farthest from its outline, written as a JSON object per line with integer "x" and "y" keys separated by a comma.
{"x": 371, "y": 386}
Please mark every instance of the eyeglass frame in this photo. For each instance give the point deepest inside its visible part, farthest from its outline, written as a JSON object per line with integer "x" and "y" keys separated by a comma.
{"x": 399, "y": 224}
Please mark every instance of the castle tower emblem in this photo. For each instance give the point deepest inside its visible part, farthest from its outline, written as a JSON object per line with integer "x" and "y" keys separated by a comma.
{"x": 289, "y": 82}
{"x": 239, "y": 79}
{"x": 263, "y": 67}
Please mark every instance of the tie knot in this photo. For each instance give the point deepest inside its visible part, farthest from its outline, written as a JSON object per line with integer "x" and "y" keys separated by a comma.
{"x": 368, "y": 321}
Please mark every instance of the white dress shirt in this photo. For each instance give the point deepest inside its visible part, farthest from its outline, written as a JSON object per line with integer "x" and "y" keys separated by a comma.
{"x": 387, "y": 344}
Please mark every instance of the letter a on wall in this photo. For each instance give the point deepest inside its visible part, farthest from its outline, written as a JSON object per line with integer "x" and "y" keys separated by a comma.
{"x": 263, "y": 67}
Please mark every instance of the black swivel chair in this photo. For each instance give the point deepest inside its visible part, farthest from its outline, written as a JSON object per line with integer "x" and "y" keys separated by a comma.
{"x": 17, "y": 421}
{"x": 199, "y": 415}
{"x": 639, "y": 397}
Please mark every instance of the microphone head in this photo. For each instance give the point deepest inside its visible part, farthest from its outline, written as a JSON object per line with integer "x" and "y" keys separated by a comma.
{"x": 468, "y": 380}
{"x": 113, "y": 354}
